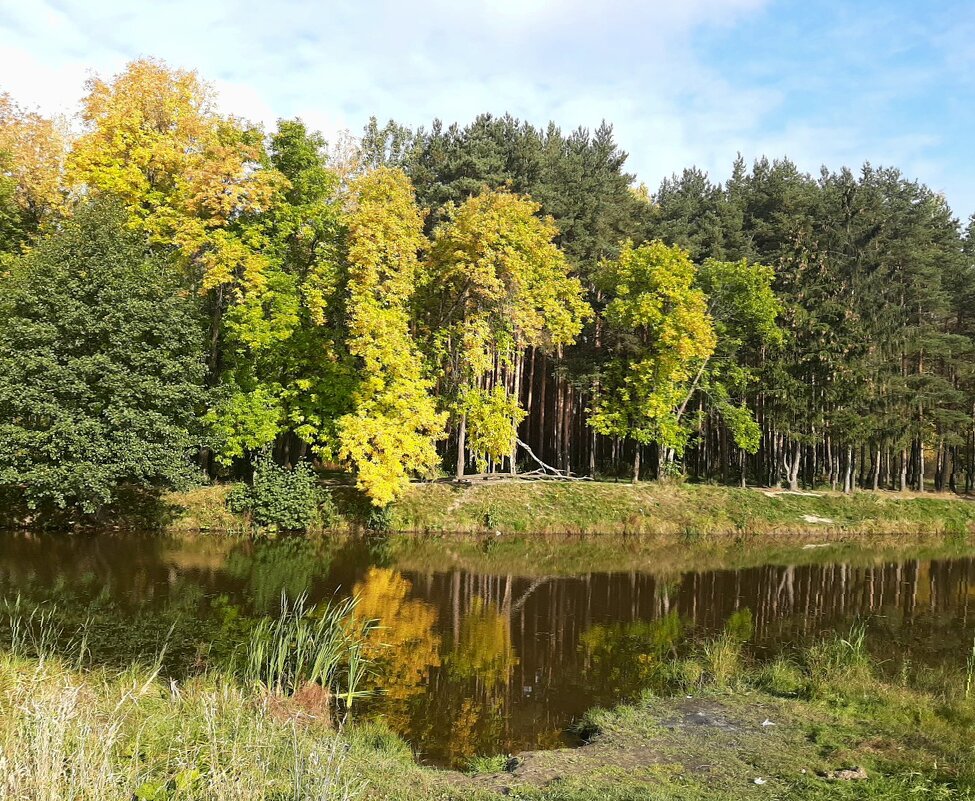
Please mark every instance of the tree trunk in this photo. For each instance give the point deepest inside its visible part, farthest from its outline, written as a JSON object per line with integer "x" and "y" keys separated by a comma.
{"x": 461, "y": 444}
{"x": 848, "y": 475}
{"x": 636, "y": 464}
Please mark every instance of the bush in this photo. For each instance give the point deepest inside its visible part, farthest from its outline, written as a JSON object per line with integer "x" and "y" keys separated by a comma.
{"x": 282, "y": 499}
{"x": 100, "y": 368}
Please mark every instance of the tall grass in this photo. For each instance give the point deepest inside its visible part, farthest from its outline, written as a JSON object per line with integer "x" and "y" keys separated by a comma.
{"x": 36, "y": 632}
{"x": 93, "y": 734}
{"x": 309, "y": 645}
{"x": 100, "y": 736}
{"x": 970, "y": 673}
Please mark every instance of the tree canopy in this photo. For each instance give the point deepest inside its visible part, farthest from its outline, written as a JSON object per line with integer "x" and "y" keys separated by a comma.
{"x": 187, "y": 293}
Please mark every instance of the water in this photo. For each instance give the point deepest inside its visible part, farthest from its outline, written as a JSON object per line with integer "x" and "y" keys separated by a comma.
{"x": 479, "y": 663}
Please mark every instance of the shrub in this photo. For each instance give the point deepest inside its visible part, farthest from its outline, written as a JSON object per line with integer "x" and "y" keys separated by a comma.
{"x": 283, "y": 499}
{"x": 379, "y": 518}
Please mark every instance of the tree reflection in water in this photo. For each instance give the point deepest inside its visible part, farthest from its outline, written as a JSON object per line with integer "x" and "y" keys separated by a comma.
{"x": 468, "y": 663}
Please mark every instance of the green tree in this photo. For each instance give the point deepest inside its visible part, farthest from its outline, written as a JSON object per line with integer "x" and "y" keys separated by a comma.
{"x": 286, "y": 377}
{"x": 497, "y": 285}
{"x": 100, "y": 366}
{"x": 663, "y": 336}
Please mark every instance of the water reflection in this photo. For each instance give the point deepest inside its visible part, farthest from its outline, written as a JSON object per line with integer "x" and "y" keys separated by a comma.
{"x": 476, "y": 663}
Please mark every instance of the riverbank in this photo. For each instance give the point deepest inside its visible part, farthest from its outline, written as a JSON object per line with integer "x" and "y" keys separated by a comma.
{"x": 825, "y": 722}
{"x": 670, "y": 512}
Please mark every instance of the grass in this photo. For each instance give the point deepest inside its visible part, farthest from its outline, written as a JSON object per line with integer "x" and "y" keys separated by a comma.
{"x": 688, "y": 512}
{"x": 717, "y": 721}
{"x": 710, "y": 723}
{"x": 97, "y": 735}
{"x": 672, "y": 509}
{"x": 308, "y": 645}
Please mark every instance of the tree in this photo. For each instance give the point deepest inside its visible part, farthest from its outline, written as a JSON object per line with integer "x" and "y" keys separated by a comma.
{"x": 744, "y": 310}
{"x": 662, "y": 338}
{"x": 100, "y": 366}
{"x": 497, "y": 285}
{"x": 184, "y": 173}
{"x": 286, "y": 376}
{"x": 191, "y": 180}
{"x": 392, "y": 430}
{"x": 32, "y": 152}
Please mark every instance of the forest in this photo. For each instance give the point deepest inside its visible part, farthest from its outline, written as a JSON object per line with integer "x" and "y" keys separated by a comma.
{"x": 184, "y": 294}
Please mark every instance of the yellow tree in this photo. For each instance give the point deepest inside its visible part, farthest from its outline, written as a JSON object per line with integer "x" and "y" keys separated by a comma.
{"x": 662, "y": 336}
{"x": 497, "y": 284}
{"x": 189, "y": 178}
{"x": 392, "y": 431}
{"x": 185, "y": 173}
{"x": 32, "y": 153}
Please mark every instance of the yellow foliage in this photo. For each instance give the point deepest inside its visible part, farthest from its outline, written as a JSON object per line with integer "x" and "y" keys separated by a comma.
{"x": 495, "y": 269}
{"x": 154, "y": 140}
{"x": 668, "y": 335}
{"x": 32, "y": 153}
{"x": 392, "y": 430}
{"x": 404, "y": 643}
{"x": 484, "y": 649}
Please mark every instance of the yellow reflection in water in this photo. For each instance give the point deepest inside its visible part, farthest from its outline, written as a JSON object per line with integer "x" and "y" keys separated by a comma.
{"x": 405, "y": 645}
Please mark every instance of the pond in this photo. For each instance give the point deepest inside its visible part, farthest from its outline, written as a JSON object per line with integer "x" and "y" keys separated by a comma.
{"x": 478, "y": 662}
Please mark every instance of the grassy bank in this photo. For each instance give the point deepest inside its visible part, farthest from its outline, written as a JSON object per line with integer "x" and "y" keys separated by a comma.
{"x": 711, "y": 725}
{"x": 822, "y": 723}
{"x": 649, "y": 513}
{"x": 688, "y": 510}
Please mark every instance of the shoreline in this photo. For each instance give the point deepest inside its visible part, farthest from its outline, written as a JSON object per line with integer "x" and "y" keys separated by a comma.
{"x": 678, "y": 512}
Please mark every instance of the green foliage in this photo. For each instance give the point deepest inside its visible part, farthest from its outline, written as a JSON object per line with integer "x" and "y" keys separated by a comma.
{"x": 663, "y": 339}
{"x": 285, "y": 368}
{"x": 307, "y": 645}
{"x": 283, "y": 499}
{"x": 101, "y": 369}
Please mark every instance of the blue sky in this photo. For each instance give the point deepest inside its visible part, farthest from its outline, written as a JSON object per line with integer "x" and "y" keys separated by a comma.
{"x": 690, "y": 82}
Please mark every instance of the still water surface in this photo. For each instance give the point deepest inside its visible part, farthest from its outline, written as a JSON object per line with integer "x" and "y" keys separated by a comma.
{"x": 480, "y": 663}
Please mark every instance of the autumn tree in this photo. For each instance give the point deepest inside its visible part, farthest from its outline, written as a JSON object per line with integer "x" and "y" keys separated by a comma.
{"x": 32, "y": 152}
{"x": 190, "y": 179}
{"x": 391, "y": 432}
{"x": 497, "y": 284}
{"x": 744, "y": 311}
{"x": 662, "y": 336}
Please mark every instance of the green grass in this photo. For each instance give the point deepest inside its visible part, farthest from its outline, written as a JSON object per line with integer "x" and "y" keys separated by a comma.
{"x": 688, "y": 510}
{"x": 698, "y": 733}
{"x": 487, "y": 764}
{"x": 683, "y": 513}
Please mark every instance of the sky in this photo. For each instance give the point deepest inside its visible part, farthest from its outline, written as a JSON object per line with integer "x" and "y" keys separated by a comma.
{"x": 685, "y": 82}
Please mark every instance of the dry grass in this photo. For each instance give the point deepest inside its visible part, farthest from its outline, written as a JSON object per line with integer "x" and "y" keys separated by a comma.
{"x": 99, "y": 736}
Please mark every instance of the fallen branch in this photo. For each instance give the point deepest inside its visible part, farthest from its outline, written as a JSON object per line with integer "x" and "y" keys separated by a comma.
{"x": 552, "y": 472}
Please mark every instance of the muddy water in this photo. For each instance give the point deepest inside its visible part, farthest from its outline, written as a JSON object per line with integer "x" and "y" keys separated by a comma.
{"x": 474, "y": 663}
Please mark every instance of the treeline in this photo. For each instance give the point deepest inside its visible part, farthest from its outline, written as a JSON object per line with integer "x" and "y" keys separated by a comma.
{"x": 182, "y": 291}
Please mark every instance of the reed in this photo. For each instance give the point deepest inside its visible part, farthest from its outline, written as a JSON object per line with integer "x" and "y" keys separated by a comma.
{"x": 970, "y": 673}
{"x": 309, "y": 645}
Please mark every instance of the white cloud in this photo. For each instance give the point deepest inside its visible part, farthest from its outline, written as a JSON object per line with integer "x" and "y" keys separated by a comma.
{"x": 631, "y": 62}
